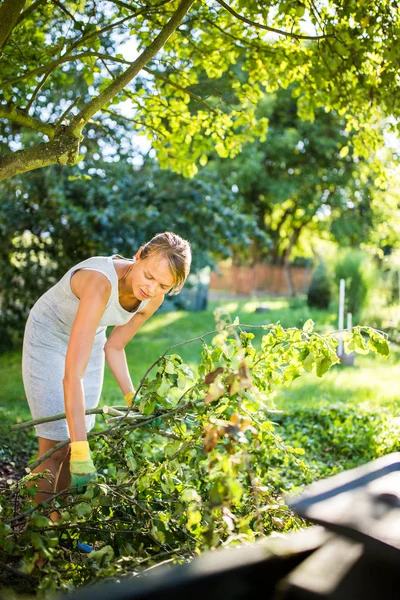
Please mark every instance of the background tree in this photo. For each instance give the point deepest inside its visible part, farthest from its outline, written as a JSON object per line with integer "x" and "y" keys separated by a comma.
{"x": 50, "y": 221}
{"x": 63, "y": 78}
{"x": 306, "y": 178}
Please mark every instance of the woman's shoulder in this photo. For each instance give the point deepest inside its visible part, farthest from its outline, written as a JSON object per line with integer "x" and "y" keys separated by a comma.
{"x": 90, "y": 281}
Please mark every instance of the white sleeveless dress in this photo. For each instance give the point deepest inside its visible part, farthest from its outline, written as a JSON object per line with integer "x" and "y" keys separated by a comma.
{"x": 45, "y": 346}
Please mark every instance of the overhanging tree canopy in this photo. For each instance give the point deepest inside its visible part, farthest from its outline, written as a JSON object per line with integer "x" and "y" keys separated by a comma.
{"x": 62, "y": 77}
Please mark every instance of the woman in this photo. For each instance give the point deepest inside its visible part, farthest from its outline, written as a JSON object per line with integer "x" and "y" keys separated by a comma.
{"x": 65, "y": 345}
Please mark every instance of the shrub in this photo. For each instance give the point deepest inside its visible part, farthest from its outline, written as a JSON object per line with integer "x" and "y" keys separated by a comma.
{"x": 320, "y": 291}
{"x": 356, "y": 268}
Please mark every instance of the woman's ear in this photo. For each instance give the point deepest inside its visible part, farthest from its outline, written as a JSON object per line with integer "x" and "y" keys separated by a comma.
{"x": 138, "y": 253}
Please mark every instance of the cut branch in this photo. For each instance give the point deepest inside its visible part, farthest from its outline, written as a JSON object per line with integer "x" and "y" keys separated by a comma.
{"x": 296, "y": 36}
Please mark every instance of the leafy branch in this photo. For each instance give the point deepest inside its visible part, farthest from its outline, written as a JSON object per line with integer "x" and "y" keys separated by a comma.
{"x": 193, "y": 466}
{"x": 268, "y": 28}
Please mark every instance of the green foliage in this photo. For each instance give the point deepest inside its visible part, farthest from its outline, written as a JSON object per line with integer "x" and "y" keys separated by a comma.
{"x": 320, "y": 290}
{"x": 198, "y": 466}
{"x": 340, "y": 436}
{"x": 72, "y": 55}
{"x": 50, "y": 221}
{"x": 299, "y": 184}
{"x": 356, "y": 268}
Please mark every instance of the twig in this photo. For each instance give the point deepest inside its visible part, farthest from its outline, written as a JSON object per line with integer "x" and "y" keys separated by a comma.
{"x": 15, "y": 571}
{"x": 67, "y": 110}
{"x": 37, "y": 90}
{"x": 297, "y": 36}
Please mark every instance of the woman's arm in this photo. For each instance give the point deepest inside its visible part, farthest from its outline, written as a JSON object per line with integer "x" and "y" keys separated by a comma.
{"x": 93, "y": 290}
{"x": 117, "y": 340}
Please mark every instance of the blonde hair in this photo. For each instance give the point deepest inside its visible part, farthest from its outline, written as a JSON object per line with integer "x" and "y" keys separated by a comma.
{"x": 176, "y": 250}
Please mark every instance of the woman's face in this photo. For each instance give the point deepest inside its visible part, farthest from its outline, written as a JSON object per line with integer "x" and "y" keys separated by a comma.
{"x": 151, "y": 277}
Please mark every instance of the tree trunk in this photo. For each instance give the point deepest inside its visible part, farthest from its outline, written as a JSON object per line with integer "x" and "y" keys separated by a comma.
{"x": 9, "y": 14}
{"x": 286, "y": 257}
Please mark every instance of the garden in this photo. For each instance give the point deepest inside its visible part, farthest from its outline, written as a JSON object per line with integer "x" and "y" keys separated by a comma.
{"x": 199, "y": 474}
{"x": 264, "y": 133}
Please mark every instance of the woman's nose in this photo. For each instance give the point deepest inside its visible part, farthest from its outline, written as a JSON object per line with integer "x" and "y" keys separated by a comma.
{"x": 153, "y": 287}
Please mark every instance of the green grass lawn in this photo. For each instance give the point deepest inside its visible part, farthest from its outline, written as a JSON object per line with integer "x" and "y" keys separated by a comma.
{"x": 371, "y": 384}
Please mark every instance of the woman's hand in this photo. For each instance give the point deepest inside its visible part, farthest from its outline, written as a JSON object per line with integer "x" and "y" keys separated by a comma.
{"x": 129, "y": 398}
{"x": 81, "y": 467}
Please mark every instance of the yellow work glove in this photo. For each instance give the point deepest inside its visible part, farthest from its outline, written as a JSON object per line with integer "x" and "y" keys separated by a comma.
{"x": 81, "y": 466}
{"x": 129, "y": 398}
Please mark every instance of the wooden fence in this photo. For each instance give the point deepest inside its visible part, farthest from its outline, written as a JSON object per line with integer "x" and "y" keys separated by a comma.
{"x": 271, "y": 279}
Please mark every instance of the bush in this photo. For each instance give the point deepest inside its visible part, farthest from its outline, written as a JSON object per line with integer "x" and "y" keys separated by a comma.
{"x": 356, "y": 268}
{"x": 50, "y": 221}
{"x": 340, "y": 437}
{"x": 320, "y": 291}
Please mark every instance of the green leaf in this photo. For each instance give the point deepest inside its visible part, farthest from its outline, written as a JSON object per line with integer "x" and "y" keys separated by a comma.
{"x": 359, "y": 344}
{"x": 190, "y": 495}
{"x": 182, "y": 381}
{"x": 379, "y": 344}
{"x": 322, "y": 365}
{"x": 163, "y": 388}
{"x": 308, "y": 326}
{"x": 158, "y": 535}
{"x": 170, "y": 368}
{"x": 147, "y": 406}
{"x": 194, "y": 517}
{"x": 308, "y": 362}
{"x": 83, "y": 508}
{"x": 40, "y": 521}
{"x": 131, "y": 460}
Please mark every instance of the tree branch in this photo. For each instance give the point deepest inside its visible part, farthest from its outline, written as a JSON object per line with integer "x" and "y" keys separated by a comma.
{"x": 37, "y": 90}
{"x": 145, "y": 10}
{"x": 63, "y": 149}
{"x": 51, "y": 65}
{"x": 296, "y": 36}
{"x": 9, "y": 14}
{"x": 183, "y": 89}
{"x": 120, "y": 82}
{"x": 48, "y": 67}
{"x": 16, "y": 115}
{"x": 136, "y": 121}
{"x": 64, "y": 10}
{"x": 29, "y": 10}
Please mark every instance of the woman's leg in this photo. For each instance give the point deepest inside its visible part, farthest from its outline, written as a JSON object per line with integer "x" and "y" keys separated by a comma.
{"x": 63, "y": 480}
{"x": 55, "y": 465}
